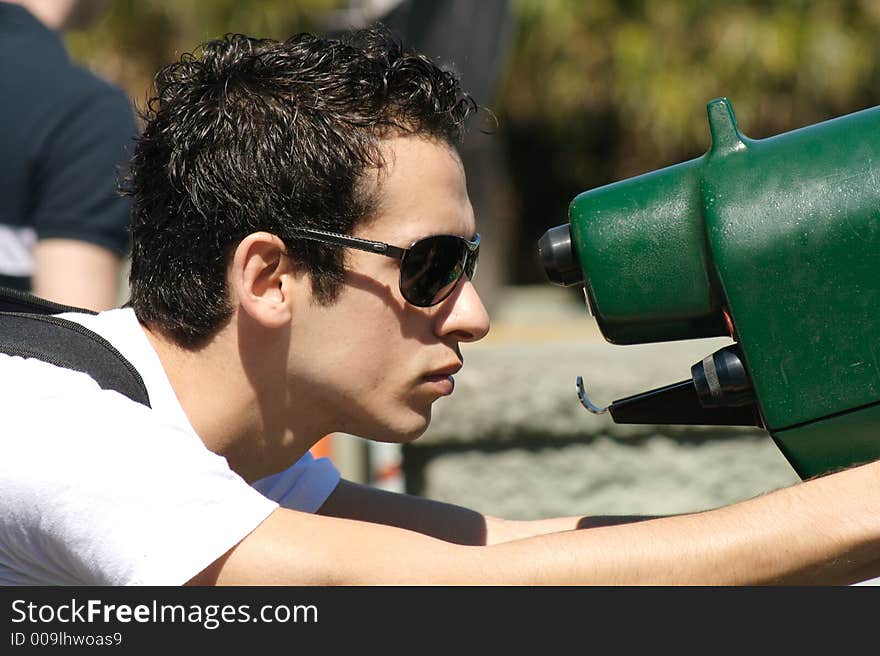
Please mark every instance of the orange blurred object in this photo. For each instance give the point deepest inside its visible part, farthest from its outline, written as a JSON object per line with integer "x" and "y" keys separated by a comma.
{"x": 323, "y": 448}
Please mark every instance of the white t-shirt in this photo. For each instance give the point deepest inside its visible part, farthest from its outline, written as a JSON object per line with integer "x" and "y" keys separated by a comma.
{"x": 96, "y": 489}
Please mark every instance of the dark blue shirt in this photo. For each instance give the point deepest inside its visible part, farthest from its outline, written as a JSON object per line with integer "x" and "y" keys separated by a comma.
{"x": 65, "y": 138}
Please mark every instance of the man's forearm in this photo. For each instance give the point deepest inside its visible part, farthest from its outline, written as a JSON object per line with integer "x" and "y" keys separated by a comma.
{"x": 446, "y": 521}
{"x": 825, "y": 531}
{"x": 499, "y": 531}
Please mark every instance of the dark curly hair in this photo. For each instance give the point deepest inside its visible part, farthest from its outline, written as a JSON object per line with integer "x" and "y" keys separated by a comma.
{"x": 251, "y": 134}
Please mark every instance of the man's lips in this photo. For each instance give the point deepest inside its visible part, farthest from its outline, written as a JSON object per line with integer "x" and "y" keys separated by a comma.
{"x": 442, "y": 379}
{"x": 438, "y": 377}
{"x": 445, "y": 372}
{"x": 440, "y": 385}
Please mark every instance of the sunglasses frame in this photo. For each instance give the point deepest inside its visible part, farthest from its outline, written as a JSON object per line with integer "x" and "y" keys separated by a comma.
{"x": 388, "y": 250}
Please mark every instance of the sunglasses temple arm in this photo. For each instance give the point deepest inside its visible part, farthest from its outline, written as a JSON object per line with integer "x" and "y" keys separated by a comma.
{"x": 351, "y": 242}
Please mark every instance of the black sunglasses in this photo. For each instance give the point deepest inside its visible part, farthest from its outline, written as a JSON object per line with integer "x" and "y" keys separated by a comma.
{"x": 429, "y": 269}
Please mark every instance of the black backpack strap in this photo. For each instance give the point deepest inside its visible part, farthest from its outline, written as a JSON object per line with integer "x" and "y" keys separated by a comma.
{"x": 28, "y": 329}
{"x": 14, "y": 300}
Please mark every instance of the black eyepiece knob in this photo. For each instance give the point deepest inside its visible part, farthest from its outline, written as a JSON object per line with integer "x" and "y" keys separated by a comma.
{"x": 721, "y": 379}
{"x": 558, "y": 257}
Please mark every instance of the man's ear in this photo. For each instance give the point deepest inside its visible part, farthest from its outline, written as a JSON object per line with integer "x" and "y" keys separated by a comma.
{"x": 261, "y": 279}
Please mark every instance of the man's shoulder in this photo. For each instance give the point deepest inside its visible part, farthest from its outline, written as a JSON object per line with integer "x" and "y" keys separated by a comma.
{"x": 28, "y": 384}
{"x": 80, "y": 502}
{"x": 78, "y": 91}
{"x": 50, "y": 87}
{"x": 49, "y": 380}
{"x": 49, "y": 411}
{"x": 88, "y": 85}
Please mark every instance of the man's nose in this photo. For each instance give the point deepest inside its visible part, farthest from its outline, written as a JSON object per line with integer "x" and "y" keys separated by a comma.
{"x": 466, "y": 317}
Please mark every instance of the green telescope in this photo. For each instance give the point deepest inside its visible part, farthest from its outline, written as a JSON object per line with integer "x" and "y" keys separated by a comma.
{"x": 773, "y": 242}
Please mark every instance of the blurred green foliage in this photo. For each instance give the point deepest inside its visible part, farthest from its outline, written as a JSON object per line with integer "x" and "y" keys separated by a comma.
{"x": 603, "y": 90}
{"x": 594, "y": 91}
{"x": 650, "y": 67}
{"x": 134, "y": 38}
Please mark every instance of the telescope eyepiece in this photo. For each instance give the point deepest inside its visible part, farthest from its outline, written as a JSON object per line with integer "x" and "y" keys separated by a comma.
{"x": 559, "y": 258}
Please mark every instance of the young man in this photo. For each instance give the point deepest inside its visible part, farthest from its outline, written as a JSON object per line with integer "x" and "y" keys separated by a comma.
{"x": 303, "y": 247}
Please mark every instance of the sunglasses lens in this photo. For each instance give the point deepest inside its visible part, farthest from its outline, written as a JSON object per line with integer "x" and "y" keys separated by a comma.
{"x": 432, "y": 267}
{"x": 470, "y": 267}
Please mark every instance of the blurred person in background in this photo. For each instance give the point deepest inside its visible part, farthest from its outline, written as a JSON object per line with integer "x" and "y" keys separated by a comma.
{"x": 65, "y": 133}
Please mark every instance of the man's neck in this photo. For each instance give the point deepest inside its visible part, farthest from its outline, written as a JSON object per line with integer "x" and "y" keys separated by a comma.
{"x": 228, "y": 408}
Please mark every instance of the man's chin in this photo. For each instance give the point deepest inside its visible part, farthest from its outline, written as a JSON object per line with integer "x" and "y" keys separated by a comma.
{"x": 408, "y": 429}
